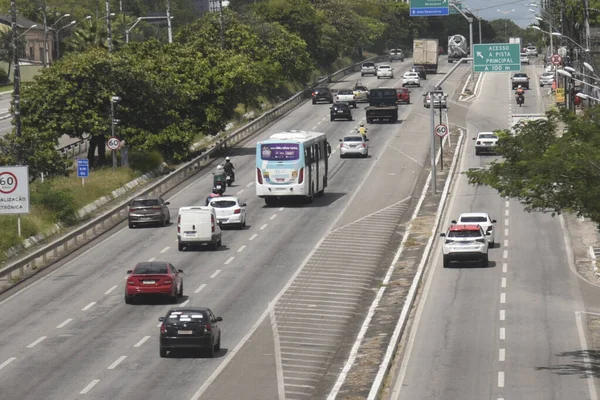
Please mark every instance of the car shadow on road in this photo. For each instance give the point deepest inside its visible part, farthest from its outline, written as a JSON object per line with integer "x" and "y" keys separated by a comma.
{"x": 325, "y": 200}
{"x": 203, "y": 248}
{"x": 157, "y": 300}
{"x": 578, "y": 365}
{"x": 471, "y": 264}
{"x": 196, "y": 353}
{"x": 235, "y": 228}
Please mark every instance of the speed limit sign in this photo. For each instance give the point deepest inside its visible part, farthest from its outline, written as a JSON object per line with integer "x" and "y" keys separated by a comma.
{"x": 14, "y": 190}
{"x": 113, "y": 143}
{"x": 441, "y": 130}
{"x": 8, "y": 182}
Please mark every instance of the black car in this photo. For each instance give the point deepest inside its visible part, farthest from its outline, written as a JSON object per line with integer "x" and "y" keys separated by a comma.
{"x": 149, "y": 210}
{"x": 340, "y": 110}
{"x": 190, "y": 328}
{"x": 419, "y": 69}
{"x": 322, "y": 94}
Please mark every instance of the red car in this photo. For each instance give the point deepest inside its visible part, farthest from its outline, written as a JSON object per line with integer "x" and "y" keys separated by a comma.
{"x": 152, "y": 279}
{"x": 403, "y": 95}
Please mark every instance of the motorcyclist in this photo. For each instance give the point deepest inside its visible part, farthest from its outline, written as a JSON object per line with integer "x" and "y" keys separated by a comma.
{"x": 520, "y": 93}
{"x": 228, "y": 167}
{"x": 362, "y": 130}
{"x": 212, "y": 195}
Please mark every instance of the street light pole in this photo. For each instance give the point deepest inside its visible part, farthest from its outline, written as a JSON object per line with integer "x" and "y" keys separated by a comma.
{"x": 505, "y": 21}
{"x": 58, "y": 37}
{"x": 46, "y": 57}
{"x": 127, "y": 30}
{"x": 113, "y": 121}
{"x": 16, "y": 76}
{"x": 169, "y": 28}
{"x": 108, "y": 27}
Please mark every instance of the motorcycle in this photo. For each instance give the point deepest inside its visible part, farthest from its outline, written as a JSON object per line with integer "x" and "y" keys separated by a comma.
{"x": 520, "y": 99}
{"x": 230, "y": 178}
{"x": 220, "y": 186}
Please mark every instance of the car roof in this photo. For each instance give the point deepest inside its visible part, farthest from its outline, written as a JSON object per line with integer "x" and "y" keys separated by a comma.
{"x": 230, "y": 198}
{"x": 187, "y": 309}
{"x": 456, "y": 228}
{"x": 473, "y": 215}
{"x": 147, "y": 198}
{"x": 358, "y": 135}
{"x": 151, "y": 263}
{"x": 486, "y": 133}
{"x": 384, "y": 65}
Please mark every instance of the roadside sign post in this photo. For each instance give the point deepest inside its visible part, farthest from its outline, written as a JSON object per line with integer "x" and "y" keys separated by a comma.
{"x": 497, "y": 57}
{"x": 113, "y": 144}
{"x": 441, "y": 130}
{"x": 14, "y": 192}
{"x": 83, "y": 169}
{"x": 428, "y": 8}
{"x": 454, "y": 11}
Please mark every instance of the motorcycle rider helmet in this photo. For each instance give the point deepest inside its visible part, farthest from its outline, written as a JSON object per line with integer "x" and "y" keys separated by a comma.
{"x": 227, "y": 159}
{"x": 519, "y": 87}
{"x": 362, "y": 125}
{"x": 219, "y": 166}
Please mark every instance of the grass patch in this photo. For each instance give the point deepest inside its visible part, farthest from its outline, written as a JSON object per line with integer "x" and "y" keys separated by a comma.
{"x": 6, "y": 88}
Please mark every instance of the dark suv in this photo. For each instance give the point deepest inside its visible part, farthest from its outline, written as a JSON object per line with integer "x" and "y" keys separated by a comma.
{"x": 149, "y": 210}
{"x": 322, "y": 94}
{"x": 341, "y": 110}
{"x": 419, "y": 69}
{"x": 190, "y": 328}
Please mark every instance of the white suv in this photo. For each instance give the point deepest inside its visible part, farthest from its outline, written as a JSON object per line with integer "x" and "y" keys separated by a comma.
{"x": 485, "y": 142}
{"x": 465, "y": 243}
{"x": 385, "y": 71}
{"x": 483, "y": 220}
{"x": 411, "y": 78}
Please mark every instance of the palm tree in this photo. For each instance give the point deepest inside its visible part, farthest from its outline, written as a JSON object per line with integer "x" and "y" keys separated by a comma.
{"x": 88, "y": 35}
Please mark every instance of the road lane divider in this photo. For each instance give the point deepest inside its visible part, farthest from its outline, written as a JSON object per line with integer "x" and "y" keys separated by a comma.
{"x": 263, "y": 227}
{"x": 116, "y": 363}
{"x": 109, "y": 291}
{"x": 90, "y": 305}
{"x": 253, "y": 237}
{"x": 200, "y": 288}
{"x": 5, "y": 363}
{"x": 214, "y": 275}
{"x": 141, "y": 341}
{"x": 64, "y": 323}
{"x": 229, "y": 260}
{"x": 36, "y": 342}
{"x": 90, "y": 386}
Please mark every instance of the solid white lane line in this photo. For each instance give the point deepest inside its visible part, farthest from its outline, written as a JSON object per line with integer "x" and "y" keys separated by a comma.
{"x": 505, "y": 232}
{"x": 36, "y": 342}
{"x": 280, "y": 208}
{"x": 505, "y": 243}
{"x": 273, "y": 217}
{"x": 589, "y": 372}
{"x": 64, "y": 323}
{"x": 507, "y": 204}
{"x": 500, "y": 378}
{"x": 240, "y": 191}
{"x": 506, "y": 222}
{"x": 92, "y": 304}
{"x": 214, "y": 275}
{"x": 151, "y": 259}
{"x": 505, "y": 254}
{"x": 90, "y": 386}
{"x": 263, "y": 227}
{"x": 502, "y": 315}
{"x": 116, "y": 363}
{"x": 502, "y": 333}
{"x": 506, "y": 213}
{"x": 250, "y": 184}
{"x": 165, "y": 249}
{"x": 229, "y": 260}
{"x": 502, "y": 298}
{"x": 5, "y": 363}
{"x": 242, "y": 247}
{"x": 111, "y": 289}
{"x": 141, "y": 341}
{"x": 253, "y": 236}
{"x": 503, "y": 283}
{"x": 185, "y": 303}
{"x": 501, "y": 355}
{"x": 504, "y": 267}
{"x": 200, "y": 288}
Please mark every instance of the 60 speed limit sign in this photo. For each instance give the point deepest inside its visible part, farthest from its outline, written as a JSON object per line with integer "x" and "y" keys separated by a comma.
{"x": 14, "y": 190}
{"x": 113, "y": 143}
{"x": 441, "y": 130}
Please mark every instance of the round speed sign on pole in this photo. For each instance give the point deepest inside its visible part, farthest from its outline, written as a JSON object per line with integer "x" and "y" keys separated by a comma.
{"x": 441, "y": 130}
{"x": 113, "y": 143}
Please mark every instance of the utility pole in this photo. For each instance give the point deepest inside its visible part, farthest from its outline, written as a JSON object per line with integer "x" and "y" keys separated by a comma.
{"x": 46, "y": 56}
{"x": 16, "y": 75}
{"x": 221, "y": 23}
{"x": 108, "y": 27}
{"x": 169, "y": 28}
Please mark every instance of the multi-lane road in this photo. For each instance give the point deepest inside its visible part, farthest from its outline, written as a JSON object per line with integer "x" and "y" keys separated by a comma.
{"x": 515, "y": 330}
{"x": 70, "y": 335}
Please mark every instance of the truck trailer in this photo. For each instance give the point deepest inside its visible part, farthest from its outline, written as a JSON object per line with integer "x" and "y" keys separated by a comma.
{"x": 383, "y": 105}
{"x": 425, "y": 53}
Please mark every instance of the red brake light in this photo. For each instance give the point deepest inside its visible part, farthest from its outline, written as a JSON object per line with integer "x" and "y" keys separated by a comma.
{"x": 237, "y": 211}
{"x": 259, "y": 176}
{"x": 130, "y": 282}
{"x": 168, "y": 282}
{"x": 364, "y": 145}
{"x": 208, "y": 327}
{"x": 478, "y": 142}
{"x": 163, "y": 328}
{"x": 212, "y": 223}
{"x": 341, "y": 145}
{"x": 301, "y": 176}
{"x": 178, "y": 224}
{"x": 131, "y": 209}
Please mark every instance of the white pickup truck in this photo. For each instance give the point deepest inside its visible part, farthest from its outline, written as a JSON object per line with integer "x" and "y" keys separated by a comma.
{"x": 346, "y": 96}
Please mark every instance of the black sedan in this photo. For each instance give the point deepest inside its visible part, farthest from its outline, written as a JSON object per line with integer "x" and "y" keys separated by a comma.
{"x": 340, "y": 110}
{"x": 190, "y": 328}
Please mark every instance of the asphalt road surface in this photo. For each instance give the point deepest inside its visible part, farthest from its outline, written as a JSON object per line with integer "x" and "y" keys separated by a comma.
{"x": 510, "y": 331}
{"x": 70, "y": 335}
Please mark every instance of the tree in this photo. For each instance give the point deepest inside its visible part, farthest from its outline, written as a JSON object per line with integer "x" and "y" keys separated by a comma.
{"x": 547, "y": 172}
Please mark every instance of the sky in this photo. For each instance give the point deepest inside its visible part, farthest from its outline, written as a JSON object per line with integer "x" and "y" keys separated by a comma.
{"x": 488, "y": 10}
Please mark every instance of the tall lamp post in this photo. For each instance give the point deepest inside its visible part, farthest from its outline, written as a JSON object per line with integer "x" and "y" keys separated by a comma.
{"x": 505, "y": 27}
{"x": 72, "y": 23}
{"x": 128, "y": 30}
{"x": 46, "y": 31}
{"x": 16, "y": 76}
{"x": 113, "y": 122}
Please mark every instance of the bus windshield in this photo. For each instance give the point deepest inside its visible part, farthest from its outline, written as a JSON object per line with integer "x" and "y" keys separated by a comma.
{"x": 280, "y": 152}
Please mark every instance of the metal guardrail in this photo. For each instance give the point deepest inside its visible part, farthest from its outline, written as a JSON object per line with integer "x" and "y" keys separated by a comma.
{"x": 59, "y": 248}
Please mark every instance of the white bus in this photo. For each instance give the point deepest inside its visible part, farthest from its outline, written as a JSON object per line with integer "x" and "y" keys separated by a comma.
{"x": 292, "y": 163}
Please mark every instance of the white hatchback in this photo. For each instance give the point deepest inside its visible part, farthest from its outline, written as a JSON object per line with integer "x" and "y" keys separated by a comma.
{"x": 385, "y": 71}
{"x": 411, "y": 78}
{"x": 230, "y": 210}
{"x": 483, "y": 220}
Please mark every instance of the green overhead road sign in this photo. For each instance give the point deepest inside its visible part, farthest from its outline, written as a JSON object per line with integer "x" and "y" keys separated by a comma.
{"x": 453, "y": 10}
{"x": 497, "y": 57}
{"x": 428, "y": 8}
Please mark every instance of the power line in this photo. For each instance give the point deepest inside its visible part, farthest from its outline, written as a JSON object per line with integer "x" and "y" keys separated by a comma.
{"x": 499, "y": 5}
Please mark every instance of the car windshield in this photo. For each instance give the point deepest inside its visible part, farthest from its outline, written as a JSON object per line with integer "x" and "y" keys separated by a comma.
{"x": 187, "y": 316}
{"x": 361, "y": 88}
{"x": 145, "y": 203}
{"x": 345, "y": 91}
{"x": 368, "y": 65}
{"x": 488, "y": 136}
{"x": 464, "y": 234}
{"x": 322, "y": 90}
{"x": 473, "y": 219}
{"x": 547, "y": 75}
{"x": 410, "y": 74}
{"x": 149, "y": 269}
{"x": 223, "y": 203}
{"x": 352, "y": 139}
{"x": 384, "y": 67}
{"x": 520, "y": 76}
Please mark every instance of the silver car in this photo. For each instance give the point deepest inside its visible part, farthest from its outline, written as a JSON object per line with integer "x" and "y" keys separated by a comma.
{"x": 439, "y": 102}
{"x": 547, "y": 78}
{"x": 354, "y": 145}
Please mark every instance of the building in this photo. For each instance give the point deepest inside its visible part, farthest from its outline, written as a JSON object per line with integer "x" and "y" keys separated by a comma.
{"x": 203, "y": 6}
{"x": 33, "y": 39}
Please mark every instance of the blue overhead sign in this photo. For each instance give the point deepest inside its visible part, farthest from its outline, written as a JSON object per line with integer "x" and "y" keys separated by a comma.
{"x": 83, "y": 168}
{"x": 428, "y": 8}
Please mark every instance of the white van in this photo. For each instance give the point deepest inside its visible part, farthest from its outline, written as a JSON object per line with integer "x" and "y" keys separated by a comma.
{"x": 197, "y": 226}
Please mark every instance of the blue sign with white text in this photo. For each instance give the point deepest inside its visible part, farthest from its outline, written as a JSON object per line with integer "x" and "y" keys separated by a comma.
{"x": 429, "y": 8}
{"x": 83, "y": 168}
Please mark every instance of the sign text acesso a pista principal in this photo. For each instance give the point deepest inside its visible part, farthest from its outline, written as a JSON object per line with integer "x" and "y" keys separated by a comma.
{"x": 499, "y": 57}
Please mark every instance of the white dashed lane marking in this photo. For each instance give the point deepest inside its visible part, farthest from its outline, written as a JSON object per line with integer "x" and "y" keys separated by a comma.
{"x": 165, "y": 250}
{"x": 506, "y": 204}
{"x": 502, "y": 315}
{"x": 506, "y": 213}
{"x": 111, "y": 289}
{"x": 242, "y": 247}
{"x": 504, "y": 268}
{"x": 90, "y": 386}
{"x": 200, "y": 288}
{"x": 503, "y": 283}
{"x": 253, "y": 236}
{"x": 5, "y": 363}
{"x": 280, "y": 208}
{"x": 240, "y": 191}
{"x": 250, "y": 184}
{"x": 65, "y": 323}
{"x": 214, "y": 275}
{"x": 263, "y": 227}
{"x": 36, "y": 342}
{"x": 185, "y": 303}
{"x": 502, "y": 334}
{"x": 116, "y": 363}
{"x": 505, "y": 232}
{"x": 141, "y": 341}
{"x": 501, "y": 355}
{"x": 151, "y": 259}
{"x": 229, "y": 260}
{"x": 505, "y": 254}
{"x": 92, "y": 304}
{"x": 505, "y": 243}
{"x": 273, "y": 217}
{"x": 502, "y": 298}
{"x": 506, "y": 222}
{"x": 501, "y": 379}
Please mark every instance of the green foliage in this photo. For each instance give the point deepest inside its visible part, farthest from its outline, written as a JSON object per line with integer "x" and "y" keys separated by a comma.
{"x": 144, "y": 161}
{"x": 548, "y": 172}
{"x": 3, "y": 77}
{"x": 59, "y": 202}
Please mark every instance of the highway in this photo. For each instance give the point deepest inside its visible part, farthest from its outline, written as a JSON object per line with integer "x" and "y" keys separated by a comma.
{"x": 70, "y": 335}
{"x": 510, "y": 331}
